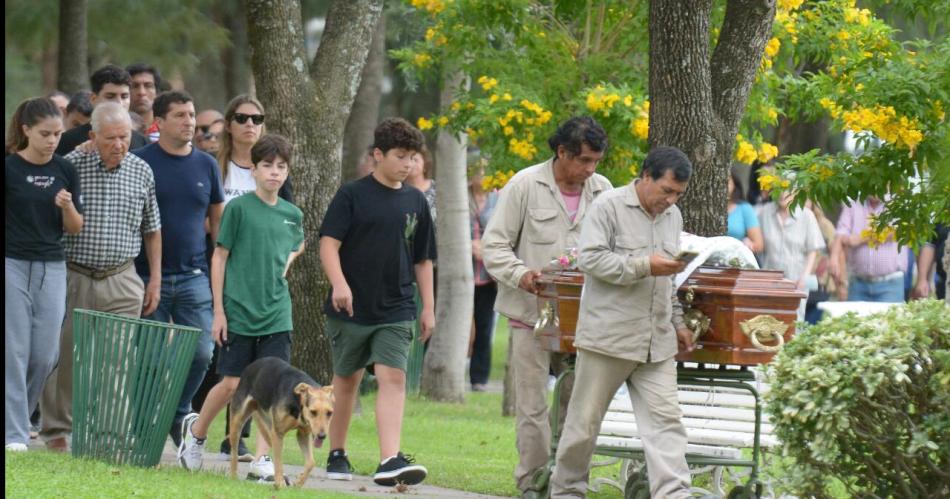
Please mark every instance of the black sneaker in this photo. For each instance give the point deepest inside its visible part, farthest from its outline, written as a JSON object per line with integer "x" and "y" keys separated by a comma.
{"x": 175, "y": 432}
{"x": 399, "y": 469}
{"x": 338, "y": 466}
{"x": 244, "y": 454}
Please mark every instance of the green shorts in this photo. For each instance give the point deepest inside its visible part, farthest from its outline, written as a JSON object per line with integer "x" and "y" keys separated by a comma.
{"x": 355, "y": 346}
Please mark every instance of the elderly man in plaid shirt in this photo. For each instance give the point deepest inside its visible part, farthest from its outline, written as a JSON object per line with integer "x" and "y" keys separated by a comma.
{"x": 121, "y": 213}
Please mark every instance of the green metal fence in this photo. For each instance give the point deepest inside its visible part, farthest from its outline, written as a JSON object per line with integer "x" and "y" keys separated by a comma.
{"x": 128, "y": 375}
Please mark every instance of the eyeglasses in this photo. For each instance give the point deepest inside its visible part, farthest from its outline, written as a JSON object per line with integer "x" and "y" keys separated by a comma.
{"x": 242, "y": 118}
{"x": 206, "y": 133}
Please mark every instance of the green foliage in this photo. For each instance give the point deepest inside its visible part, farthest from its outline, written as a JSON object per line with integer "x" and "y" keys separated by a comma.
{"x": 567, "y": 57}
{"x": 866, "y": 401}
{"x": 173, "y": 35}
{"x": 890, "y": 95}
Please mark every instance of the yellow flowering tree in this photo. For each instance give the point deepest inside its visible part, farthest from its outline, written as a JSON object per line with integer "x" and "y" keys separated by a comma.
{"x": 532, "y": 64}
{"x": 889, "y": 95}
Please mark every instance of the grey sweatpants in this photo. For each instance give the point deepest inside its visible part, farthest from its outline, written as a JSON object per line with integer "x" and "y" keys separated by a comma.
{"x": 35, "y": 303}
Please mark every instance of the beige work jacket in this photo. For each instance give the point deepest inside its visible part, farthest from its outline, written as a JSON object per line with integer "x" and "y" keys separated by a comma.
{"x": 529, "y": 228}
{"x": 625, "y": 312}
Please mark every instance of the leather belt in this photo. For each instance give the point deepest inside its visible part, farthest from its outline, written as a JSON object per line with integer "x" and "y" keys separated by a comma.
{"x": 98, "y": 274}
{"x": 881, "y": 278}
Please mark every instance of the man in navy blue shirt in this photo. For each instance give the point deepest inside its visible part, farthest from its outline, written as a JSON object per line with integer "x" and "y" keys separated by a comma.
{"x": 188, "y": 188}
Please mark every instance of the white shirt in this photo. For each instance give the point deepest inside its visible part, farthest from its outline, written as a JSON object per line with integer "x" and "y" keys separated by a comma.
{"x": 238, "y": 182}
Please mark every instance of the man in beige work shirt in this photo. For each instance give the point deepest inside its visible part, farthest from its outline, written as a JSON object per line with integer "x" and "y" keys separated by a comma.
{"x": 629, "y": 326}
{"x": 538, "y": 216}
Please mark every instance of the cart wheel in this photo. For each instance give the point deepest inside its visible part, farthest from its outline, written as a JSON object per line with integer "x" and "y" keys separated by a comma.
{"x": 739, "y": 492}
{"x": 637, "y": 486}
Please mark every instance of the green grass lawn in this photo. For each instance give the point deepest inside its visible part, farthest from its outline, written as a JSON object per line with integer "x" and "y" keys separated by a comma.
{"x": 42, "y": 474}
{"x": 468, "y": 446}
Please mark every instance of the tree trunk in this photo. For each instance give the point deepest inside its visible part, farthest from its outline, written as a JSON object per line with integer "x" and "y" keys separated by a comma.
{"x": 697, "y": 102}
{"x": 443, "y": 375}
{"x": 73, "y": 68}
{"x": 310, "y": 107}
{"x": 358, "y": 135}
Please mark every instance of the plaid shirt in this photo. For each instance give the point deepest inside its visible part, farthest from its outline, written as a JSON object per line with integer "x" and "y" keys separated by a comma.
{"x": 120, "y": 206}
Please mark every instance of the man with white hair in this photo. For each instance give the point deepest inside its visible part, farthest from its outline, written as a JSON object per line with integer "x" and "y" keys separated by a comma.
{"x": 121, "y": 213}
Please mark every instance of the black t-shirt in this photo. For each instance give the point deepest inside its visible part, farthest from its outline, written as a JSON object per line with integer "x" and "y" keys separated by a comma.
{"x": 34, "y": 224}
{"x": 80, "y": 134}
{"x": 384, "y": 233}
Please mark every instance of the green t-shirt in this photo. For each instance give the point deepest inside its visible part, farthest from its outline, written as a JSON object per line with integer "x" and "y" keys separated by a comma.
{"x": 260, "y": 239}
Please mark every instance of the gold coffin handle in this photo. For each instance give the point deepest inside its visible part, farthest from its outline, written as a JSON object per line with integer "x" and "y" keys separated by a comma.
{"x": 765, "y": 327}
{"x": 547, "y": 316}
{"x": 696, "y": 321}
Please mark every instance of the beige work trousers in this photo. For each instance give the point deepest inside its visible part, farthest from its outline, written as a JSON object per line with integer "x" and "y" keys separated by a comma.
{"x": 531, "y": 367}
{"x": 121, "y": 294}
{"x": 653, "y": 393}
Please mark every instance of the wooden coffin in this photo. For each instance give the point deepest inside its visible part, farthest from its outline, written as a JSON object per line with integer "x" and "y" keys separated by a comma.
{"x": 559, "y": 300}
{"x": 761, "y": 302}
{"x": 744, "y": 307}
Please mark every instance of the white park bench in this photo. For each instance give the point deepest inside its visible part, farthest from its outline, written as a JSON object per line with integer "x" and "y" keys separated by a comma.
{"x": 720, "y": 425}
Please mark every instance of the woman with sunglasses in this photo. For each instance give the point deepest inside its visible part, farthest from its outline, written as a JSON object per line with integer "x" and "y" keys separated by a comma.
{"x": 243, "y": 125}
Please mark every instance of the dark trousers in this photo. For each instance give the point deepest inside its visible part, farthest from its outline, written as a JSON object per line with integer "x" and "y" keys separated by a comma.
{"x": 211, "y": 379}
{"x": 484, "y": 311}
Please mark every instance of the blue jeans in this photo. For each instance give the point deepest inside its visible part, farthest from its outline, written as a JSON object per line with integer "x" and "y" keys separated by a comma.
{"x": 186, "y": 300}
{"x": 889, "y": 291}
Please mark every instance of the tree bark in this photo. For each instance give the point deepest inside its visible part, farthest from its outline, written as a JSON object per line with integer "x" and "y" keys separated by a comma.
{"x": 309, "y": 104}
{"x": 443, "y": 375}
{"x": 697, "y": 102}
{"x": 73, "y": 67}
{"x": 358, "y": 135}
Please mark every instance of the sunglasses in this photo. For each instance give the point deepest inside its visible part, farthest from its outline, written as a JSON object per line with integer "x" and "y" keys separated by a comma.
{"x": 206, "y": 133}
{"x": 242, "y": 118}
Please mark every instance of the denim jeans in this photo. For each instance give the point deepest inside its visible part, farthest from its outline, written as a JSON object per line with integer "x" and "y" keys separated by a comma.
{"x": 186, "y": 300}
{"x": 889, "y": 291}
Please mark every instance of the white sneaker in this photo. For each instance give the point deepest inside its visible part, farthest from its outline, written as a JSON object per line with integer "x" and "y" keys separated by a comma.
{"x": 190, "y": 452}
{"x": 15, "y": 447}
{"x": 261, "y": 470}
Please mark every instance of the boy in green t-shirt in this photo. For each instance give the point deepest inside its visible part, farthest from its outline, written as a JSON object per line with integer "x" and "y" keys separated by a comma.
{"x": 260, "y": 236}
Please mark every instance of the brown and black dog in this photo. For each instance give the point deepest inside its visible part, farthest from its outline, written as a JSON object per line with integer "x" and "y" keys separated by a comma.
{"x": 281, "y": 398}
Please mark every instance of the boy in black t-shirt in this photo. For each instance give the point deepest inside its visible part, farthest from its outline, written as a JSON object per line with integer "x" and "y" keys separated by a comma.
{"x": 376, "y": 239}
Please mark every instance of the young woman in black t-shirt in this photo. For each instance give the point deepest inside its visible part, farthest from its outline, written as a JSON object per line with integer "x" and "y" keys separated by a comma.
{"x": 42, "y": 200}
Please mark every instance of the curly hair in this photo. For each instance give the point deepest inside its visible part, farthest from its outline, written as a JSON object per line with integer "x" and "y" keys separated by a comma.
{"x": 395, "y": 133}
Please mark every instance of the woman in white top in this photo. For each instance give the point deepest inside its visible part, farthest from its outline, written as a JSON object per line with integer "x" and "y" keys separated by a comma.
{"x": 243, "y": 126}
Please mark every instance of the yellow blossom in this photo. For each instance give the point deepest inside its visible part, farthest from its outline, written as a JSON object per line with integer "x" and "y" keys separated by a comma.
{"x": 789, "y": 5}
{"x": 493, "y": 99}
{"x": 443, "y": 120}
{"x": 772, "y": 48}
{"x": 640, "y": 128}
{"x": 506, "y": 96}
{"x": 455, "y": 106}
{"x": 843, "y": 35}
{"x": 421, "y": 60}
{"x": 745, "y": 152}
{"x": 766, "y": 181}
{"x": 628, "y": 100}
{"x": 487, "y": 83}
{"x": 508, "y": 130}
{"x": 767, "y": 152}
{"x": 423, "y": 123}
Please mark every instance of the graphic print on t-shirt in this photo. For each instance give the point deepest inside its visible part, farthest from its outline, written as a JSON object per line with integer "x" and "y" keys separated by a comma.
{"x": 41, "y": 181}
